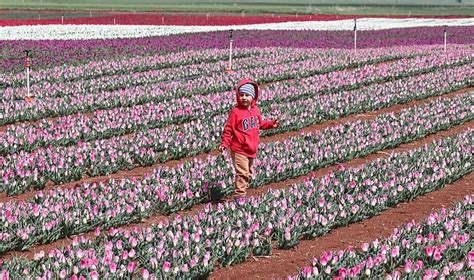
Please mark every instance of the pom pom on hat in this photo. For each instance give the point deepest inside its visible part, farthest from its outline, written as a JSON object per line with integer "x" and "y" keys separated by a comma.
{"x": 248, "y": 89}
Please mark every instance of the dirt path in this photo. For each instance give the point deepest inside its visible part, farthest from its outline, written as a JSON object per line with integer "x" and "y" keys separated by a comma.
{"x": 287, "y": 262}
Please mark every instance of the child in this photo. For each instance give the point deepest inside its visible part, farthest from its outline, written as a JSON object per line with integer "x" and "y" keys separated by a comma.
{"x": 241, "y": 133}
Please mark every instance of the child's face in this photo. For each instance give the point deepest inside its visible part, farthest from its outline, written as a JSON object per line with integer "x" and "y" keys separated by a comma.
{"x": 246, "y": 99}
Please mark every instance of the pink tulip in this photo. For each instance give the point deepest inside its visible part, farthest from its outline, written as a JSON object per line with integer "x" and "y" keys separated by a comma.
{"x": 94, "y": 275}
{"x": 131, "y": 267}
{"x": 408, "y": 266}
{"x": 429, "y": 251}
{"x": 323, "y": 260}
{"x": 365, "y": 247}
{"x": 307, "y": 271}
{"x": 470, "y": 257}
{"x": 437, "y": 255}
{"x": 113, "y": 267}
{"x": 342, "y": 272}
{"x": 166, "y": 266}
{"x": 395, "y": 251}
{"x": 418, "y": 265}
{"x": 145, "y": 274}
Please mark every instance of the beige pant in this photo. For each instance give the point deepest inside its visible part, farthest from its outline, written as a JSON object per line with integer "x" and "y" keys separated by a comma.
{"x": 243, "y": 172}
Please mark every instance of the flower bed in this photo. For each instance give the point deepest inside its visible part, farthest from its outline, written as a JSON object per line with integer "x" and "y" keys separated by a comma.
{"x": 439, "y": 247}
{"x": 62, "y": 164}
{"x": 94, "y": 69}
{"x": 209, "y": 73}
{"x": 189, "y": 246}
{"x": 177, "y": 19}
{"x": 22, "y": 171}
{"x": 108, "y": 123}
{"x": 65, "y": 212}
{"x": 185, "y": 19}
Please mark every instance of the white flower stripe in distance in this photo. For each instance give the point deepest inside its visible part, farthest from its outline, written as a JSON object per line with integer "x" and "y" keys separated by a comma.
{"x": 84, "y": 32}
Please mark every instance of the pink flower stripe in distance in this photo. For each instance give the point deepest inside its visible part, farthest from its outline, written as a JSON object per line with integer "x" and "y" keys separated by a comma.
{"x": 108, "y": 67}
{"x": 124, "y": 76}
{"x": 108, "y": 123}
{"x": 172, "y": 92}
{"x": 189, "y": 246}
{"x": 439, "y": 247}
{"x": 50, "y": 53}
{"x": 186, "y": 20}
{"x": 178, "y": 63}
{"x": 171, "y": 189}
{"x": 61, "y": 164}
{"x": 301, "y": 68}
{"x": 42, "y": 107}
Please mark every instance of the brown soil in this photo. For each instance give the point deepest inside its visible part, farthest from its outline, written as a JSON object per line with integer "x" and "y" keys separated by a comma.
{"x": 287, "y": 262}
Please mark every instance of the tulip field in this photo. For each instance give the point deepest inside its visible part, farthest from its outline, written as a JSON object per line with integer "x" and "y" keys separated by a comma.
{"x": 111, "y": 170}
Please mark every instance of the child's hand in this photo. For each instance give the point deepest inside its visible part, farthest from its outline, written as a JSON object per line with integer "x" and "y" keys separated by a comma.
{"x": 277, "y": 124}
{"x": 222, "y": 149}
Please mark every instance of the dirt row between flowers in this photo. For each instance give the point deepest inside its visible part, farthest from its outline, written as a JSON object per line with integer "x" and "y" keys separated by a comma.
{"x": 284, "y": 184}
{"x": 140, "y": 171}
{"x": 287, "y": 262}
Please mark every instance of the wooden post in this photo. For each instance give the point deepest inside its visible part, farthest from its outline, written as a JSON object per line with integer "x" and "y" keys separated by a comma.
{"x": 28, "y": 97}
{"x": 355, "y": 35}
{"x": 230, "y": 49}
{"x": 445, "y": 37}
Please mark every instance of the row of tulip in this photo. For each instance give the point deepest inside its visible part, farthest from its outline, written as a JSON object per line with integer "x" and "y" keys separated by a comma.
{"x": 105, "y": 67}
{"x": 23, "y": 171}
{"x": 109, "y": 123}
{"x": 134, "y": 71}
{"x": 440, "y": 247}
{"x": 189, "y": 246}
{"x": 25, "y": 136}
{"x": 50, "y": 53}
{"x": 320, "y": 60}
{"x": 410, "y": 65}
{"x": 65, "y": 212}
{"x": 198, "y": 136}
{"x": 73, "y": 103}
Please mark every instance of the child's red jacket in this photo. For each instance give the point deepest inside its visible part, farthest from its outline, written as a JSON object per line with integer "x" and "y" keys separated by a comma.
{"x": 242, "y": 129}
